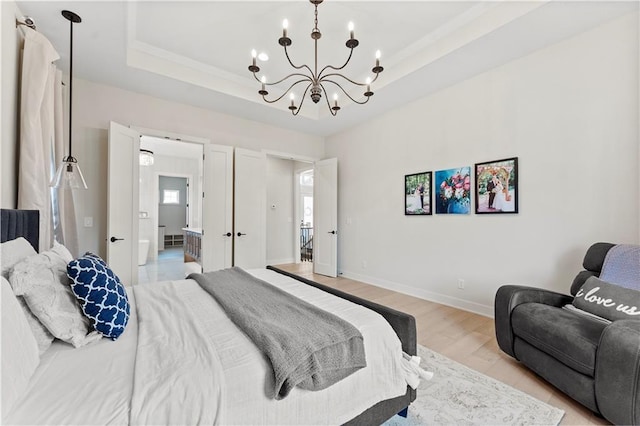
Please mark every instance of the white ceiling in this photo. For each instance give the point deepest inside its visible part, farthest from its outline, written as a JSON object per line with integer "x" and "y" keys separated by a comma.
{"x": 197, "y": 52}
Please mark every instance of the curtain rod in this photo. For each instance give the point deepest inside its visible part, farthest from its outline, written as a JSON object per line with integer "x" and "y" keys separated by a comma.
{"x": 28, "y": 22}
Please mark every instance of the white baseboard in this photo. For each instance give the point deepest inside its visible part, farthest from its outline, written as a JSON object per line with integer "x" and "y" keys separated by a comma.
{"x": 280, "y": 261}
{"x": 443, "y": 299}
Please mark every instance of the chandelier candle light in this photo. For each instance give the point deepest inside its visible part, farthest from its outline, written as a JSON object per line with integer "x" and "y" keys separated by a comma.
{"x": 315, "y": 81}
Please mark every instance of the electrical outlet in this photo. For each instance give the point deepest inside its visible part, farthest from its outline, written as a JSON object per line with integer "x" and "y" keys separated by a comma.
{"x": 364, "y": 264}
{"x": 88, "y": 222}
{"x": 460, "y": 284}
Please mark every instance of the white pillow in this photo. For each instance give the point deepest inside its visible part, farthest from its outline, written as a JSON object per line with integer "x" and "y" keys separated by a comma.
{"x": 43, "y": 282}
{"x": 19, "y": 349}
{"x": 11, "y": 253}
{"x": 39, "y": 331}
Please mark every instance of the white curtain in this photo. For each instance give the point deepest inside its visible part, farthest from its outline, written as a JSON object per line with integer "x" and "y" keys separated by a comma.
{"x": 41, "y": 140}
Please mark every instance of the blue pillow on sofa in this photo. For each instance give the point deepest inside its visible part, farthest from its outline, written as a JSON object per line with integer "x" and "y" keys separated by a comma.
{"x": 102, "y": 296}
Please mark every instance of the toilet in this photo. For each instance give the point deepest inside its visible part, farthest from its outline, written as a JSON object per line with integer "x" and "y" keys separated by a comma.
{"x": 143, "y": 251}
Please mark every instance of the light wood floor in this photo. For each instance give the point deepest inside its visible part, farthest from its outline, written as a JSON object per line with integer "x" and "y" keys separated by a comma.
{"x": 463, "y": 336}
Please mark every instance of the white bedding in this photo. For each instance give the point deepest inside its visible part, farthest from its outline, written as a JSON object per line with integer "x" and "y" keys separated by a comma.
{"x": 192, "y": 365}
{"x": 64, "y": 388}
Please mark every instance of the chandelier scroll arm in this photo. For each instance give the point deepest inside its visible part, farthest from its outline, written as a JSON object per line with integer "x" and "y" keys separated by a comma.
{"x": 286, "y": 53}
{"x": 335, "y": 74}
{"x": 286, "y": 91}
{"x": 304, "y": 96}
{"x": 326, "y": 98}
{"x": 336, "y": 68}
{"x": 343, "y": 91}
{"x": 306, "y": 77}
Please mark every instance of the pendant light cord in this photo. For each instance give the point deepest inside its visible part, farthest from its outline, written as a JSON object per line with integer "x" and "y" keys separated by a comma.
{"x": 73, "y": 19}
{"x": 70, "y": 86}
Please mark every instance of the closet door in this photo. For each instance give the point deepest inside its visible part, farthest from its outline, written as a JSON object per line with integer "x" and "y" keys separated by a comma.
{"x": 122, "y": 200}
{"x": 250, "y": 214}
{"x": 325, "y": 210}
{"x": 217, "y": 208}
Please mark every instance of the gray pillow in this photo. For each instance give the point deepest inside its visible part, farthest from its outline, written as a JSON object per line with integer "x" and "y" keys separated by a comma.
{"x": 608, "y": 300}
{"x": 11, "y": 253}
{"x": 43, "y": 282}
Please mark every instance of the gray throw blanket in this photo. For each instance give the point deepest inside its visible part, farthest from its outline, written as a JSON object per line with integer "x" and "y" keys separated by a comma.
{"x": 307, "y": 346}
{"x": 622, "y": 266}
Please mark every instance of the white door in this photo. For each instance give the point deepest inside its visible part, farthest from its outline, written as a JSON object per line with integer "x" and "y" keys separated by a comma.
{"x": 217, "y": 209}
{"x": 325, "y": 217}
{"x": 250, "y": 214}
{"x": 123, "y": 203}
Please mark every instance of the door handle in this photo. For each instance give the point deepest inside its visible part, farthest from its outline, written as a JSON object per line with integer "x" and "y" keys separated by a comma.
{"x": 228, "y": 234}
{"x": 114, "y": 239}
{"x": 332, "y": 232}
{"x": 239, "y": 234}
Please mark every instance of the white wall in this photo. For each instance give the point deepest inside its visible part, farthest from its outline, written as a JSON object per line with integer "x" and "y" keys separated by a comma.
{"x": 569, "y": 112}
{"x": 95, "y": 105}
{"x": 280, "y": 214}
{"x": 12, "y": 40}
{"x": 173, "y": 217}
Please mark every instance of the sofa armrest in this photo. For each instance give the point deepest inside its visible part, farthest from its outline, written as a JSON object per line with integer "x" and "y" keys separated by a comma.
{"x": 510, "y": 296}
{"x": 617, "y": 372}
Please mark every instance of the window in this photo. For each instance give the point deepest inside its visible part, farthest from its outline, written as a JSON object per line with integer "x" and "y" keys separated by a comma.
{"x": 306, "y": 178}
{"x": 307, "y": 212}
{"x": 171, "y": 196}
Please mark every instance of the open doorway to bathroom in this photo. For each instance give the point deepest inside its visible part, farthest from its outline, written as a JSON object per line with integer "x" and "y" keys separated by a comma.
{"x": 170, "y": 208}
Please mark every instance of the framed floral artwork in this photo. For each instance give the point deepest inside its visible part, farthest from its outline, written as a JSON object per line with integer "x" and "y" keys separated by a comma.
{"x": 417, "y": 194}
{"x": 497, "y": 186}
{"x": 453, "y": 190}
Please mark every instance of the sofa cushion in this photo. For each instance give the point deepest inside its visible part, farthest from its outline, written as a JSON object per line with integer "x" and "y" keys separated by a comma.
{"x": 595, "y": 255}
{"x": 568, "y": 337}
{"x": 607, "y": 300}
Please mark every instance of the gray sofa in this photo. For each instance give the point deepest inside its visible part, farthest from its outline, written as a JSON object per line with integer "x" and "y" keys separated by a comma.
{"x": 595, "y": 363}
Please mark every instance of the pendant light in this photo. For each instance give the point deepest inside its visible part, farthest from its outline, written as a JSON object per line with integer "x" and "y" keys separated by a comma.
{"x": 68, "y": 175}
{"x": 146, "y": 157}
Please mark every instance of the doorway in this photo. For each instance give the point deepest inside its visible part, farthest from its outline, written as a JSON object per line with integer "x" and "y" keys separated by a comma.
{"x": 289, "y": 234}
{"x": 304, "y": 208}
{"x": 170, "y": 208}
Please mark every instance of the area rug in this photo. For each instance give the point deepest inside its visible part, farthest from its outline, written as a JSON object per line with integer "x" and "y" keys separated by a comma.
{"x": 458, "y": 395}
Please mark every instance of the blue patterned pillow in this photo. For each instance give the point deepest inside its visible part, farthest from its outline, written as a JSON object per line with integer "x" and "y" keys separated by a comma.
{"x": 101, "y": 294}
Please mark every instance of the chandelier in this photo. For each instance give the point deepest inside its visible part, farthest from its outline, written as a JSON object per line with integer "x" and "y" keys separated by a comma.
{"x": 316, "y": 81}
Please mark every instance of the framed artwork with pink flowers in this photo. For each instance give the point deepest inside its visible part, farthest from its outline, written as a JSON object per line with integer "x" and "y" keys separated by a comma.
{"x": 497, "y": 186}
{"x": 453, "y": 191}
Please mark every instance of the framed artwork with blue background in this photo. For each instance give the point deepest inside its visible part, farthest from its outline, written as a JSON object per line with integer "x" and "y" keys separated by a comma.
{"x": 453, "y": 191}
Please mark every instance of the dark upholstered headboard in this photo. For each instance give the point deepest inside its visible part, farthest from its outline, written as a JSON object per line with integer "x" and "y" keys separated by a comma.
{"x": 20, "y": 223}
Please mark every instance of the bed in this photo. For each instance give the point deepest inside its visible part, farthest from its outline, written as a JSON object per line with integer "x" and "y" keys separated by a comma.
{"x": 181, "y": 360}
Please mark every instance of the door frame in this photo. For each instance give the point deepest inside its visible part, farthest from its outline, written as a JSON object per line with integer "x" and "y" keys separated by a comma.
{"x": 297, "y": 206}
{"x": 296, "y": 193}
{"x": 162, "y": 134}
{"x": 156, "y": 199}
{"x": 177, "y": 137}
